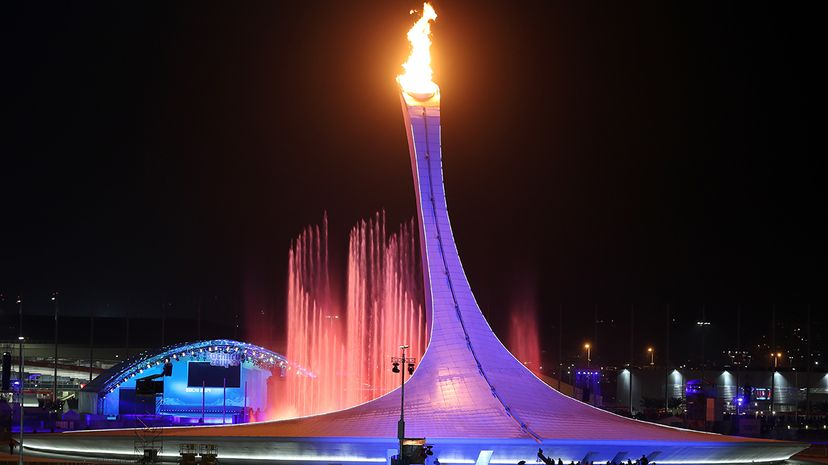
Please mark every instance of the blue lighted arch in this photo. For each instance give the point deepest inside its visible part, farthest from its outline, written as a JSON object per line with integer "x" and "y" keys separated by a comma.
{"x": 112, "y": 378}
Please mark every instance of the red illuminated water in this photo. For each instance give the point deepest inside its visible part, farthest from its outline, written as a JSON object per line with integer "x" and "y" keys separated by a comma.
{"x": 524, "y": 341}
{"x": 383, "y": 307}
{"x": 314, "y": 339}
{"x": 348, "y": 345}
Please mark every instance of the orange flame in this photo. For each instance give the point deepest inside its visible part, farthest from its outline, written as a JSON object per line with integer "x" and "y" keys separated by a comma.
{"x": 416, "y": 80}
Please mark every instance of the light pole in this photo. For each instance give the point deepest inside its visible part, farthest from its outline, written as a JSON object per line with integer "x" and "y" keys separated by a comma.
{"x": 589, "y": 353}
{"x": 652, "y": 355}
{"x": 776, "y": 356}
{"x": 20, "y": 328}
{"x": 54, "y": 377}
{"x": 20, "y": 340}
{"x": 92, "y": 341}
{"x": 396, "y": 362}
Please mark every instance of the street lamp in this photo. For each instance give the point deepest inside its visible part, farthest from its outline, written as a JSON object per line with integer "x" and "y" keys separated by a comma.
{"x": 54, "y": 377}
{"x": 395, "y": 367}
{"x": 652, "y": 355}
{"x": 776, "y": 356}
{"x": 589, "y": 353}
{"x": 20, "y": 340}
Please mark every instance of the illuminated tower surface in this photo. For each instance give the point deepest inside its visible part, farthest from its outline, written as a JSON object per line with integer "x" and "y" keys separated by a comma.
{"x": 468, "y": 394}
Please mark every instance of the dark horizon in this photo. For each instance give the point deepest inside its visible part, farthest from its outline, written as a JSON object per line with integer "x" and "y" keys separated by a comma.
{"x": 606, "y": 155}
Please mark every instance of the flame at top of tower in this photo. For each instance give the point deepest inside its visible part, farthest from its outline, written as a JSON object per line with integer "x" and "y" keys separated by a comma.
{"x": 416, "y": 80}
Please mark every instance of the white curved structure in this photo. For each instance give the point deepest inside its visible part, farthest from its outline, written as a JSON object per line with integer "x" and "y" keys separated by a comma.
{"x": 469, "y": 396}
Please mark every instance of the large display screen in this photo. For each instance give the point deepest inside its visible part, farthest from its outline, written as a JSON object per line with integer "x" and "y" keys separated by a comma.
{"x": 762, "y": 393}
{"x": 203, "y": 374}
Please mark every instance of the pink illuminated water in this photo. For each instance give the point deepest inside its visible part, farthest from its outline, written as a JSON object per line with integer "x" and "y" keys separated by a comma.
{"x": 348, "y": 345}
{"x": 524, "y": 341}
{"x": 383, "y": 306}
{"x": 314, "y": 339}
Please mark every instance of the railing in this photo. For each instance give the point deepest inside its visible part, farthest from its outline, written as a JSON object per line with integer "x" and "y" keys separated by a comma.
{"x": 47, "y": 386}
{"x": 29, "y": 460}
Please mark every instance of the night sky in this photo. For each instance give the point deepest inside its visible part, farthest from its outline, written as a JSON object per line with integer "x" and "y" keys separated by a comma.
{"x": 595, "y": 153}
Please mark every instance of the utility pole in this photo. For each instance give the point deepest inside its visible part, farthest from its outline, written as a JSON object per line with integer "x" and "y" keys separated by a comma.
{"x": 703, "y": 364}
{"x": 91, "y": 341}
{"x": 738, "y": 352}
{"x": 54, "y": 378}
{"x": 396, "y": 362}
{"x": 20, "y": 340}
{"x": 667, "y": 361}
{"x": 401, "y": 425}
{"x": 773, "y": 351}
{"x": 20, "y": 330}
{"x": 632, "y": 334}
{"x": 588, "y": 348}
{"x": 629, "y": 371}
{"x": 809, "y": 362}
{"x": 632, "y": 343}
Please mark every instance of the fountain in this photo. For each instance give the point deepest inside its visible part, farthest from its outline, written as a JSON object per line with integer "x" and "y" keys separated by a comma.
{"x": 347, "y": 350}
{"x": 313, "y": 339}
{"x": 384, "y": 306}
{"x": 524, "y": 341}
